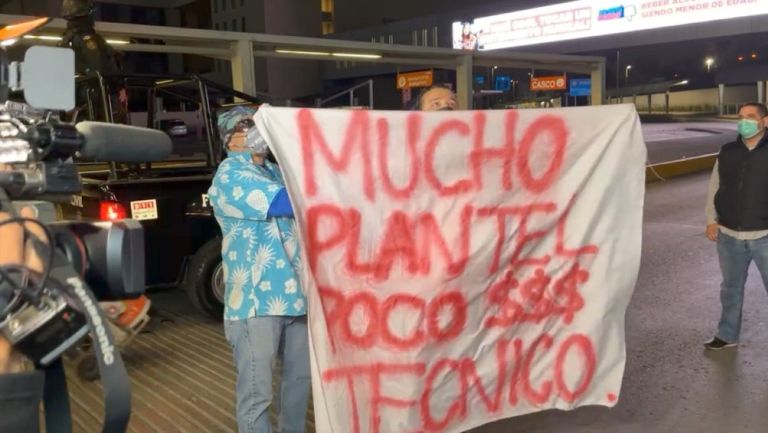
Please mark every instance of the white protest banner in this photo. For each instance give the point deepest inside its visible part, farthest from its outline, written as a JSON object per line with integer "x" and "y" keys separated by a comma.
{"x": 462, "y": 267}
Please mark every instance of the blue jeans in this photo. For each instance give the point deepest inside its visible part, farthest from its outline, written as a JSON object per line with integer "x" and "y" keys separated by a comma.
{"x": 735, "y": 257}
{"x": 255, "y": 343}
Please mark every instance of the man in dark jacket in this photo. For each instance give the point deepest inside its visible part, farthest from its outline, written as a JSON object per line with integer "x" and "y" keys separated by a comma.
{"x": 737, "y": 217}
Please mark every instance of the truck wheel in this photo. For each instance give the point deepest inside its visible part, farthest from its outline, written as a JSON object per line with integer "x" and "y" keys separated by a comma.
{"x": 204, "y": 282}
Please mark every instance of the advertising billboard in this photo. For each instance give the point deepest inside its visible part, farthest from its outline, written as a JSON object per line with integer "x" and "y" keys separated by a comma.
{"x": 584, "y": 19}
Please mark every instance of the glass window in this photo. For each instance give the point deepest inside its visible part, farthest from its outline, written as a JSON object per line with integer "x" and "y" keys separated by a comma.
{"x": 223, "y": 5}
{"x": 224, "y": 26}
{"x": 215, "y": 6}
{"x": 242, "y": 23}
{"x": 234, "y": 25}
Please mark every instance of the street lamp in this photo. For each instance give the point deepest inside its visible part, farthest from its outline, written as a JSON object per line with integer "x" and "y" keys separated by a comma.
{"x": 709, "y": 61}
{"x": 626, "y": 75}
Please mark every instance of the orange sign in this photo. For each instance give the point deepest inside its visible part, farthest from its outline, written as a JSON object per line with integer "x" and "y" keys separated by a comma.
{"x": 548, "y": 83}
{"x": 410, "y": 80}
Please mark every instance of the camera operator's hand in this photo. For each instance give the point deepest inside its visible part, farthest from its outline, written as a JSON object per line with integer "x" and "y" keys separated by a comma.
{"x": 13, "y": 251}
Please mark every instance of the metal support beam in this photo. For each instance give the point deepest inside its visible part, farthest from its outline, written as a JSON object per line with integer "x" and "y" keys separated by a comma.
{"x": 598, "y": 83}
{"x": 761, "y": 92}
{"x": 216, "y": 53}
{"x": 175, "y": 61}
{"x": 464, "y": 82}
{"x": 721, "y": 99}
{"x": 422, "y": 62}
{"x": 765, "y": 88}
{"x": 523, "y": 64}
{"x": 243, "y": 69}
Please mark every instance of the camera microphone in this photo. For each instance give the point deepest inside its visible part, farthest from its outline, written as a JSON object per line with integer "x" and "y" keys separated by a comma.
{"x": 95, "y": 141}
{"x": 122, "y": 143}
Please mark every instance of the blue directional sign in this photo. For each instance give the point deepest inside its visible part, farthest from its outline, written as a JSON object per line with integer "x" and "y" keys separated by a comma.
{"x": 503, "y": 83}
{"x": 580, "y": 87}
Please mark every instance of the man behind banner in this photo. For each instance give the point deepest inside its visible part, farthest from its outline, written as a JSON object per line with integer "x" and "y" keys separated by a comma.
{"x": 437, "y": 98}
{"x": 737, "y": 217}
{"x": 265, "y": 308}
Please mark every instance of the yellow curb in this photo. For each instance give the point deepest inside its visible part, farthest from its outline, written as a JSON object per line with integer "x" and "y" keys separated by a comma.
{"x": 680, "y": 167}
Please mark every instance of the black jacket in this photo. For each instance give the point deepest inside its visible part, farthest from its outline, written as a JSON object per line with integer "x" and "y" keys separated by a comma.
{"x": 742, "y": 198}
{"x": 20, "y": 398}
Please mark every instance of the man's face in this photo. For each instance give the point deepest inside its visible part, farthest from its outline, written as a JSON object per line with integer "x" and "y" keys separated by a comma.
{"x": 438, "y": 100}
{"x": 751, "y": 113}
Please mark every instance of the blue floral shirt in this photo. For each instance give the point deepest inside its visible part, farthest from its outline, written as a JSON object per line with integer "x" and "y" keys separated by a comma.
{"x": 260, "y": 254}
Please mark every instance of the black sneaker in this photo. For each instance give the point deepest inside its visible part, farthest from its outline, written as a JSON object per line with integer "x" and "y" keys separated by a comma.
{"x": 717, "y": 344}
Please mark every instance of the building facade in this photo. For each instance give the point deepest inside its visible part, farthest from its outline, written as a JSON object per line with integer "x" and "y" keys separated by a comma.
{"x": 278, "y": 80}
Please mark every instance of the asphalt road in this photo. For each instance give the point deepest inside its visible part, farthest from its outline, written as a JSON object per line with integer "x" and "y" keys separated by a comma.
{"x": 673, "y": 141}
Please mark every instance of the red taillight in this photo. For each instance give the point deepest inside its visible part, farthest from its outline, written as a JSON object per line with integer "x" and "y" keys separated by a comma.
{"x": 111, "y": 210}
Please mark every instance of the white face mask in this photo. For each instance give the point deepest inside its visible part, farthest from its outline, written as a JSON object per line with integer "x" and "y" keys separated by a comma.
{"x": 256, "y": 143}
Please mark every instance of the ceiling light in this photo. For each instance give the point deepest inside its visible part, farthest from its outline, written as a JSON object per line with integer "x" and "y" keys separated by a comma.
{"x": 43, "y": 37}
{"x": 303, "y": 53}
{"x": 59, "y": 38}
{"x": 357, "y": 56}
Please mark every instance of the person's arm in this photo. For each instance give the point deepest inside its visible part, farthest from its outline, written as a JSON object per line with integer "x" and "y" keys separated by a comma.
{"x": 16, "y": 252}
{"x": 711, "y": 211}
{"x": 20, "y": 391}
{"x": 242, "y": 192}
{"x": 281, "y": 206}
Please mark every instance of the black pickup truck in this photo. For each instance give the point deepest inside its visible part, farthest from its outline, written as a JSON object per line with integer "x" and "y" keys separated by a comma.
{"x": 183, "y": 240}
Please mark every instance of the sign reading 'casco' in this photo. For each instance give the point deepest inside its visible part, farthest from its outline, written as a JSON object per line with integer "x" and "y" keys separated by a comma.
{"x": 548, "y": 83}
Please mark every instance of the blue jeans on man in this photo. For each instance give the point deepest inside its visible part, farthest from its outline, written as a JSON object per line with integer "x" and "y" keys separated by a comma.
{"x": 735, "y": 256}
{"x": 255, "y": 343}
